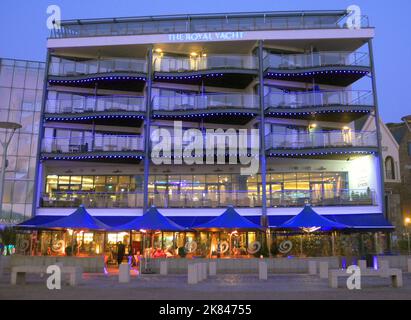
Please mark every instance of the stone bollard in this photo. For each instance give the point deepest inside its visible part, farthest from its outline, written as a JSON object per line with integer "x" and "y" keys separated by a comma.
{"x": 262, "y": 270}
{"x": 384, "y": 267}
{"x": 213, "y": 268}
{"x": 312, "y": 267}
{"x": 363, "y": 265}
{"x": 124, "y": 273}
{"x": 192, "y": 276}
{"x": 409, "y": 265}
{"x": 163, "y": 268}
{"x": 323, "y": 269}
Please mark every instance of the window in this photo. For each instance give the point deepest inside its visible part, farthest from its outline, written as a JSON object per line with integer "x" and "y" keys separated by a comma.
{"x": 389, "y": 168}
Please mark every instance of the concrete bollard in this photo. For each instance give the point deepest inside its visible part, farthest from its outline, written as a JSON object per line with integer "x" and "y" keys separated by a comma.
{"x": 363, "y": 265}
{"x": 163, "y": 268}
{"x": 204, "y": 270}
{"x": 262, "y": 270}
{"x": 199, "y": 272}
{"x": 213, "y": 268}
{"x": 409, "y": 265}
{"x": 312, "y": 267}
{"x": 384, "y": 267}
{"x": 323, "y": 266}
{"x": 124, "y": 273}
{"x": 192, "y": 277}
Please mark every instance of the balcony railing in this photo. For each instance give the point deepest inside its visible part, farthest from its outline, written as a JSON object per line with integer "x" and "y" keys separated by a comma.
{"x": 202, "y": 199}
{"x": 208, "y": 101}
{"x": 319, "y": 98}
{"x": 316, "y": 59}
{"x": 73, "y": 199}
{"x": 70, "y": 68}
{"x": 220, "y": 62}
{"x": 89, "y": 144}
{"x": 205, "y": 23}
{"x": 297, "y": 198}
{"x": 91, "y": 104}
{"x": 324, "y": 139}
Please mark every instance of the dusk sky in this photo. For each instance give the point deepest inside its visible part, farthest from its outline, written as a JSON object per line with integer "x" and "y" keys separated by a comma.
{"x": 23, "y": 31}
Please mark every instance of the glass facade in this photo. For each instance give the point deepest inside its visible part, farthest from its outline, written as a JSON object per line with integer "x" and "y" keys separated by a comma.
{"x": 21, "y": 87}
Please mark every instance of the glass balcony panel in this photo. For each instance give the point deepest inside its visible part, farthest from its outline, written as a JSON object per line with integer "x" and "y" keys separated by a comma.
{"x": 321, "y": 140}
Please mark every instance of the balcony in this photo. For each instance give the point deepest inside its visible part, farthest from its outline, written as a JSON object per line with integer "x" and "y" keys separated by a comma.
{"x": 72, "y": 199}
{"x": 110, "y": 110}
{"x": 298, "y": 198}
{"x": 111, "y": 148}
{"x": 332, "y": 68}
{"x": 323, "y": 143}
{"x": 335, "y": 106}
{"x": 217, "y": 108}
{"x": 199, "y": 23}
{"x": 124, "y": 74}
{"x": 229, "y": 71}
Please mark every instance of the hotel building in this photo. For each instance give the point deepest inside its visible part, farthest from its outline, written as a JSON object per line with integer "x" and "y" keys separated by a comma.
{"x": 306, "y": 80}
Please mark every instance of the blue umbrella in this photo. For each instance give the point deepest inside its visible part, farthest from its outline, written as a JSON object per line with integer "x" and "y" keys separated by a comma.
{"x": 310, "y": 221}
{"x": 79, "y": 219}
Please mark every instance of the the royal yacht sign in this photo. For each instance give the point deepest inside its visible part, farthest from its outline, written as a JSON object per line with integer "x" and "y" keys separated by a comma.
{"x": 208, "y": 36}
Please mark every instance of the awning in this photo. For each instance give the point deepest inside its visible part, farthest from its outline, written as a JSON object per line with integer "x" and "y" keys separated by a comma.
{"x": 152, "y": 220}
{"x": 310, "y": 221}
{"x": 362, "y": 222}
{"x": 79, "y": 219}
{"x": 230, "y": 219}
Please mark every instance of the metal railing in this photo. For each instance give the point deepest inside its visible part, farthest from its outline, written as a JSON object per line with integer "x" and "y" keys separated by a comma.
{"x": 100, "y": 143}
{"x": 319, "y": 98}
{"x": 316, "y": 59}
{"x": 322, "y": 139}
{"x": 203, "y": 199}
{"x": 207, "y": 23}
{"x": 69, "y": 68}
{"x": 232, "y": 61}
{"x": 90, "y": 104}
{"x": 72, "y": 199}
{"x": 206, "y": 101}
{"x": 342, "y": 197}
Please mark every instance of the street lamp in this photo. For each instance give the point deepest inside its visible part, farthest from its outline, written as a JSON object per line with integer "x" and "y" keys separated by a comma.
{"x": 8, "y": 129}
{"x": 407, "y": 222}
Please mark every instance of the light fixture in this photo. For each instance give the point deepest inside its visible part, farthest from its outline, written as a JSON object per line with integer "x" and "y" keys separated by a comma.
{"x": 313, "y": 126}
{"x": 158, "y": 50}
{"x": 407, "y": 221}
{"x": 204, "y": 54}
{"x": 194, "y": 54}
{"x": 311, "y": 230}
{"x": 346, "y": 128}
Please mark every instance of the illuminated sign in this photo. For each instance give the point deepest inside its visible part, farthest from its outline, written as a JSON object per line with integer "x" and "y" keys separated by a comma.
{"x": 208, "y": 36}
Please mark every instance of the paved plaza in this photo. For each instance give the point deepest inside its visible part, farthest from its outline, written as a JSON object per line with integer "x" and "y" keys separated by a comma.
{"x": 175, "y": 287}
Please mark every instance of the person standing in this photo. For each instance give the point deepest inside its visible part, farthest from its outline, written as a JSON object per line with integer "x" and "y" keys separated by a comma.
{"x": 121, "y": 250}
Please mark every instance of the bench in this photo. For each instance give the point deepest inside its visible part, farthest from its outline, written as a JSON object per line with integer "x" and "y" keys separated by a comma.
{"x": 18, "y": 273}
{"x": 394, "y": 274}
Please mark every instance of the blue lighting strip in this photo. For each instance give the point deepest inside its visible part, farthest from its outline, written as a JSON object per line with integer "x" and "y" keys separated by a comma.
{"x": 320, "y": 153}
{"x": 93, "y": 117}
{"x": 206, "y": 115}
{"x": 313, "y": 73}
{"x": 208, "y": 155}
{"x": 208, "y": 75}
{"x": 315, "y": 112}
{"x": 98, "y": 79}
{"x": 92, "y": 157}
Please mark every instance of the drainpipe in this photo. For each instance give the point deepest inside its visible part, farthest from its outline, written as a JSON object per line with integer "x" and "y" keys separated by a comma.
{"x": 147, "y": 124}
{"x": 38, "y": 177}
{"x": 379, "y": 138}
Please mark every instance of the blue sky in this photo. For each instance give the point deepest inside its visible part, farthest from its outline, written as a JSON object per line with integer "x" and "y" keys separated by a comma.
{"x": 23, "y": 31}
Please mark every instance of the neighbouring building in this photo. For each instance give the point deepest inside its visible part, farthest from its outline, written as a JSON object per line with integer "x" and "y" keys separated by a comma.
{"x": 21, "y": 88}
{"x": 294, "y": 75}
{"x": 402, "y": 133}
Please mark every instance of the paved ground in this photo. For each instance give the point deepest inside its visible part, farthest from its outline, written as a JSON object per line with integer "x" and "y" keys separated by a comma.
{"x": 175, "y": 287}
